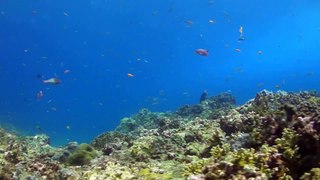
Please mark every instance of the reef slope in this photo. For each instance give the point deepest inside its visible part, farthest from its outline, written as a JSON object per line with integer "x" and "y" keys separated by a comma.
{"x": 273, "y": 136}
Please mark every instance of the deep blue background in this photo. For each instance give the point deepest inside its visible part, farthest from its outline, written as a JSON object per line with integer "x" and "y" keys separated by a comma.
{"x": 100, "y": 41}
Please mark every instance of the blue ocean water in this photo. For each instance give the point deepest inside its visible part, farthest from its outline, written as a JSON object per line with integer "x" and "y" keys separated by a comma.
{"x": 100, "y": 41}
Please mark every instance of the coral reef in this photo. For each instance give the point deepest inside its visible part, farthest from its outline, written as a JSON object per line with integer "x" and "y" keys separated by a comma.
{"x": 82, "y": 155}
{"x": 276, "y": 135}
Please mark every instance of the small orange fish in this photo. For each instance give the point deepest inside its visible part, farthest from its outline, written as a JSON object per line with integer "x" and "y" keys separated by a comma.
{"x": 39, "y": 95}
{"x": 238, "y": 50}
{"x": 202, "y": 52}
{"x": 241, "y": 30}
{"x": 130, "y": 75}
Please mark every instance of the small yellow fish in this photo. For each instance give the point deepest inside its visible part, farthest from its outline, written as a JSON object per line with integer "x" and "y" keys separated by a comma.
{"x": 241, "y": 30}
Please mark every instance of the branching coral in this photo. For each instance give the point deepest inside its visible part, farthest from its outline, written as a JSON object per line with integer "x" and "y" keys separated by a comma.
{"x": 313, "y": 174}
{"x": 195, "y": 167}
{"x": 287, "y": 144}
{"x": 142, "y": 148}
{"x": 218, "y": 152}
{"x": 148, "y": 174}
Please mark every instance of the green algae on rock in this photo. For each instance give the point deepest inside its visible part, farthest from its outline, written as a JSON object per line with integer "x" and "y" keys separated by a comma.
{"x": 82, "y": 155}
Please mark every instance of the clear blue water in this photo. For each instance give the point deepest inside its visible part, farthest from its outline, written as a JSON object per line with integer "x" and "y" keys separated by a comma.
{"x": 101, "y": 41}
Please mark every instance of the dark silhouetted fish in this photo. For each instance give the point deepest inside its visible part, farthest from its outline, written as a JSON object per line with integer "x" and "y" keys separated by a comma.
{"x": 203, "y": 96}
{"x": 39, "y": 76}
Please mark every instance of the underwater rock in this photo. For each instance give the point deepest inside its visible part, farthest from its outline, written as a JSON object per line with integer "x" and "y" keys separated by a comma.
{"x": 42, "y": 139}
{"x": 289, "y": 110}
{"x": 188, "y": 110}
{"x": 71, "y": 147}
{"x": 211, "y": 108}
{"x": 223, "y": 100}
{"x": 107, "y": 150}
{"x": 61, "y": 154}
{"x": 82, "y": 155}
{"x": 69, "y": 174}
{"x": 112, "y": 141}
{"x": 132, "y": 126}
{"x": 45, "y": 167}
